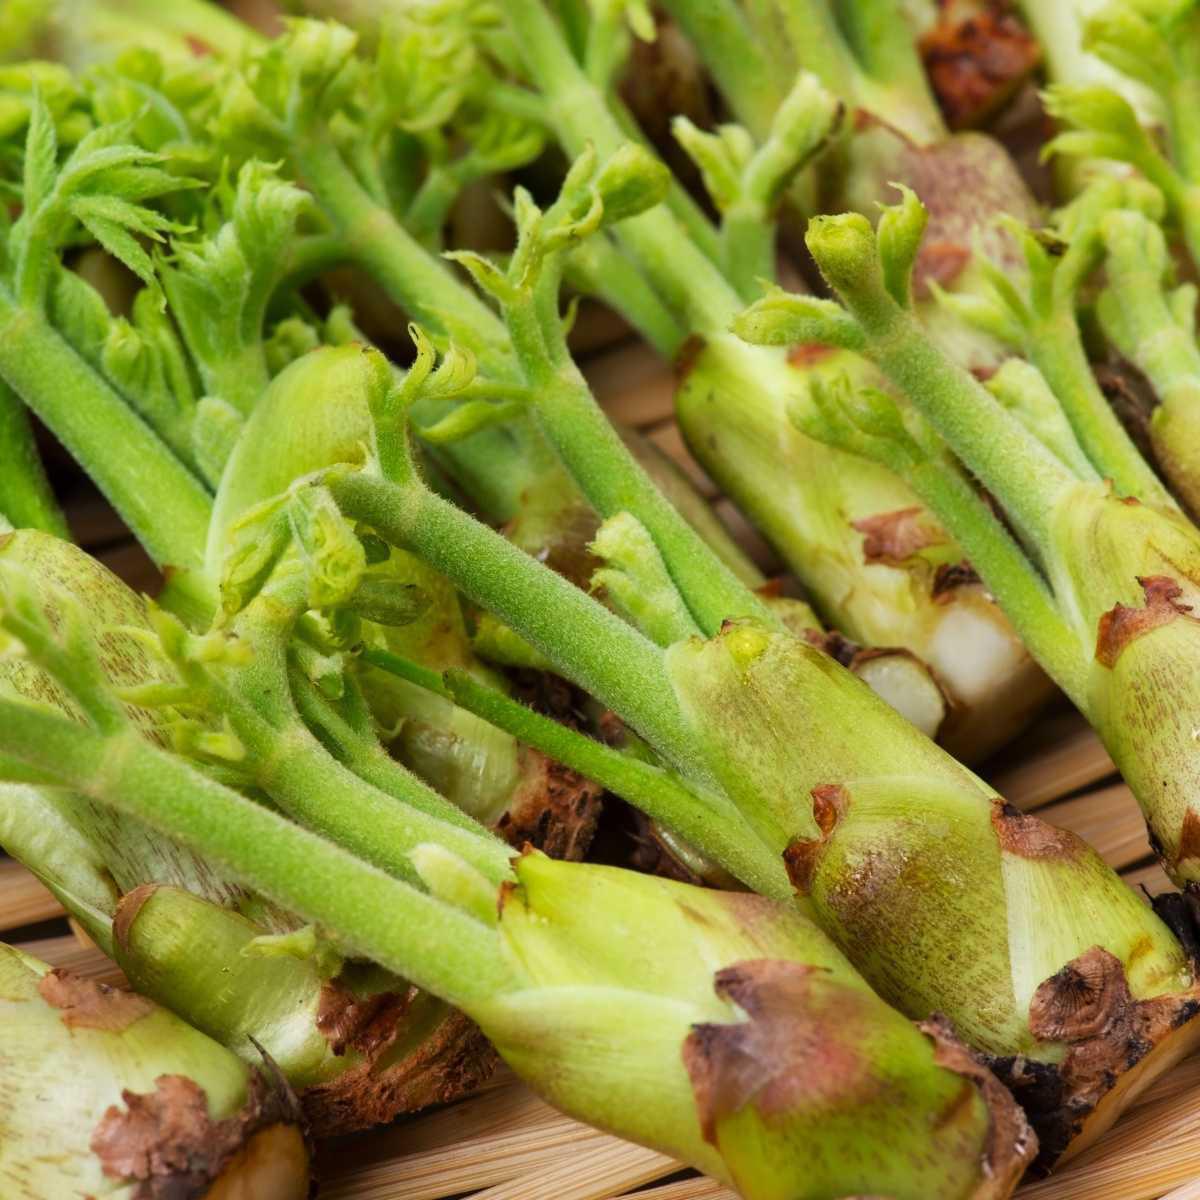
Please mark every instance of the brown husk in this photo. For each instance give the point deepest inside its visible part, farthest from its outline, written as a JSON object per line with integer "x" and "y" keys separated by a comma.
{"x": 167, "y": 1145}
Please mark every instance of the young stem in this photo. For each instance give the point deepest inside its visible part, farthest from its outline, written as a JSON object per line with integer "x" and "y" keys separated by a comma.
{"x": 1010, "y": 462}
{"x": 599, "y": 268}
{"x": 310, "y": 785}
{"x": 158, "y": 498}
{"x": 366, "y": 758}
{"x": 683, "y": 274}
{"x": 421, "y": 284}
{"x": 614, "y": 482}
{"x": 425, "y": 288}
{"x": 584, "y": 641}
{"x": 26, "y": 500}
{"x": 393, "y": 924}
{"x": 709, "y": 823}
{"x": 1006, "y": 573}
{"x": 744, "y": 75}
{"x": 1056, "y": 349}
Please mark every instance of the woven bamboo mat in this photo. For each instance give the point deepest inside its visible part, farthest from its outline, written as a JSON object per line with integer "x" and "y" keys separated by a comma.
{"x": 505, "y": 1144}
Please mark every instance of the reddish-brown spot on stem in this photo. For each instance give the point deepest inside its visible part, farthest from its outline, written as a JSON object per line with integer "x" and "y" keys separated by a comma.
{"x": 89, "y": 1004}
{"x": 894, "y": 537}
{"x": 1031, "y": 837}
{"x": 1123, "y": 623}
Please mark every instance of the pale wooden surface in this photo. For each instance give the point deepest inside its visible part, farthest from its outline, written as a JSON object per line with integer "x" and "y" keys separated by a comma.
{"x": 505, "y": 1144}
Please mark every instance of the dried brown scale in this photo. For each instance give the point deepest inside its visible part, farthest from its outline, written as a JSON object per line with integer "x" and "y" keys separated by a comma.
{"x": 1088, "y": 1007}
{"x": 803, "y": 854}
{"x": 366, "y": 1025}
{"x": 1011, "y": 1136}
{"x": 1122, "y": 623}
{"x": 449, "y": 1063}
{"x": 89, "y": 1004}
{"x": 895, "y": 537}
{"x": 949, "y": 577}
{"x": 554, "y": 809}
{"x": 976, "y": 61}
{"x": 771, "y": 1060}
{"x": 165, "y": 1143}
{"x": 1026, "y": 835}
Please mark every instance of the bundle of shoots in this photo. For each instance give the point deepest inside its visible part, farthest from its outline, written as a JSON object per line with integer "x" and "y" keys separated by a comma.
{"x": 1128, "y": 97}
{"x": 137, "y": 1102}
{"x": 193, "y": 370}
{"x": 1102, "y": 581}
{"x": 357, "y": 1043}
{"x": 875, "y": 564}
{"x": 905, "y": 858}
{"x": 153, "y": 422}
{"x": 866, "y": 55}
{"x": 722, "y": 1028}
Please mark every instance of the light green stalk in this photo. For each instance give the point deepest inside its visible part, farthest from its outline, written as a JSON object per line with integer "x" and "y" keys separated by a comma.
{"x": 1107, "y": 607}
{"x": 629, "y": 1023}
{"x": 724, "y": 712}
{"x": 1156, "y": 330}
{"x": 170, "y": 918}
{"x": 26, "y": 499}
{"x": 805, "y": 499}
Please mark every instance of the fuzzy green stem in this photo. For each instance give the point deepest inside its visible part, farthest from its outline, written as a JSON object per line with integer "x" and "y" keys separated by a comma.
{"x": 26, "y": 499}
{"x": 366, "y": 758}
{"x": 421, "y": 284}
{"x": 1056, "y": 349}
{"x": 1010, "y": 462}
{"x": 614, "y": 482}
{"x": 310, "y": 785}
{"x": 426, "y": 288}
{"x": 584, "y": 641}
{"x": 682, "y": 273}
{"x": 393, "y": 924}
{"x": 739, "y": 65}
{"x": 709, "y": 823}
{"x": 158, "y": 498}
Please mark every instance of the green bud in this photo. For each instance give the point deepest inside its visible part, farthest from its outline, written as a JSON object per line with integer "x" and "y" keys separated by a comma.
{"x": 844, "y": 248}
{"x": 316, "y": 413}
{"x": 783, "y": 318}
{"x": 631, "y": 181}
{"x": 724, "y": 1029}
{"x": 636, "y": 583}
{"x": 899, "y": 237}
{"x": 333, "y": 555}
{"x": 722, "y": 157}
{"x": 1128, "y": 41}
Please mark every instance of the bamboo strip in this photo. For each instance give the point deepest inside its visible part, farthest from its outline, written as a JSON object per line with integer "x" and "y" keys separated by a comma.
{"x": 595, "y": 1173}
{"x": 1072, "y": 759}
{"x": 695, "y": 1187}
{"x": 1153, "y": 1150}
{"x": 455, "y": 1169}
{"x": 1189, "y": 1191}
{"x": 23, "y": 899}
